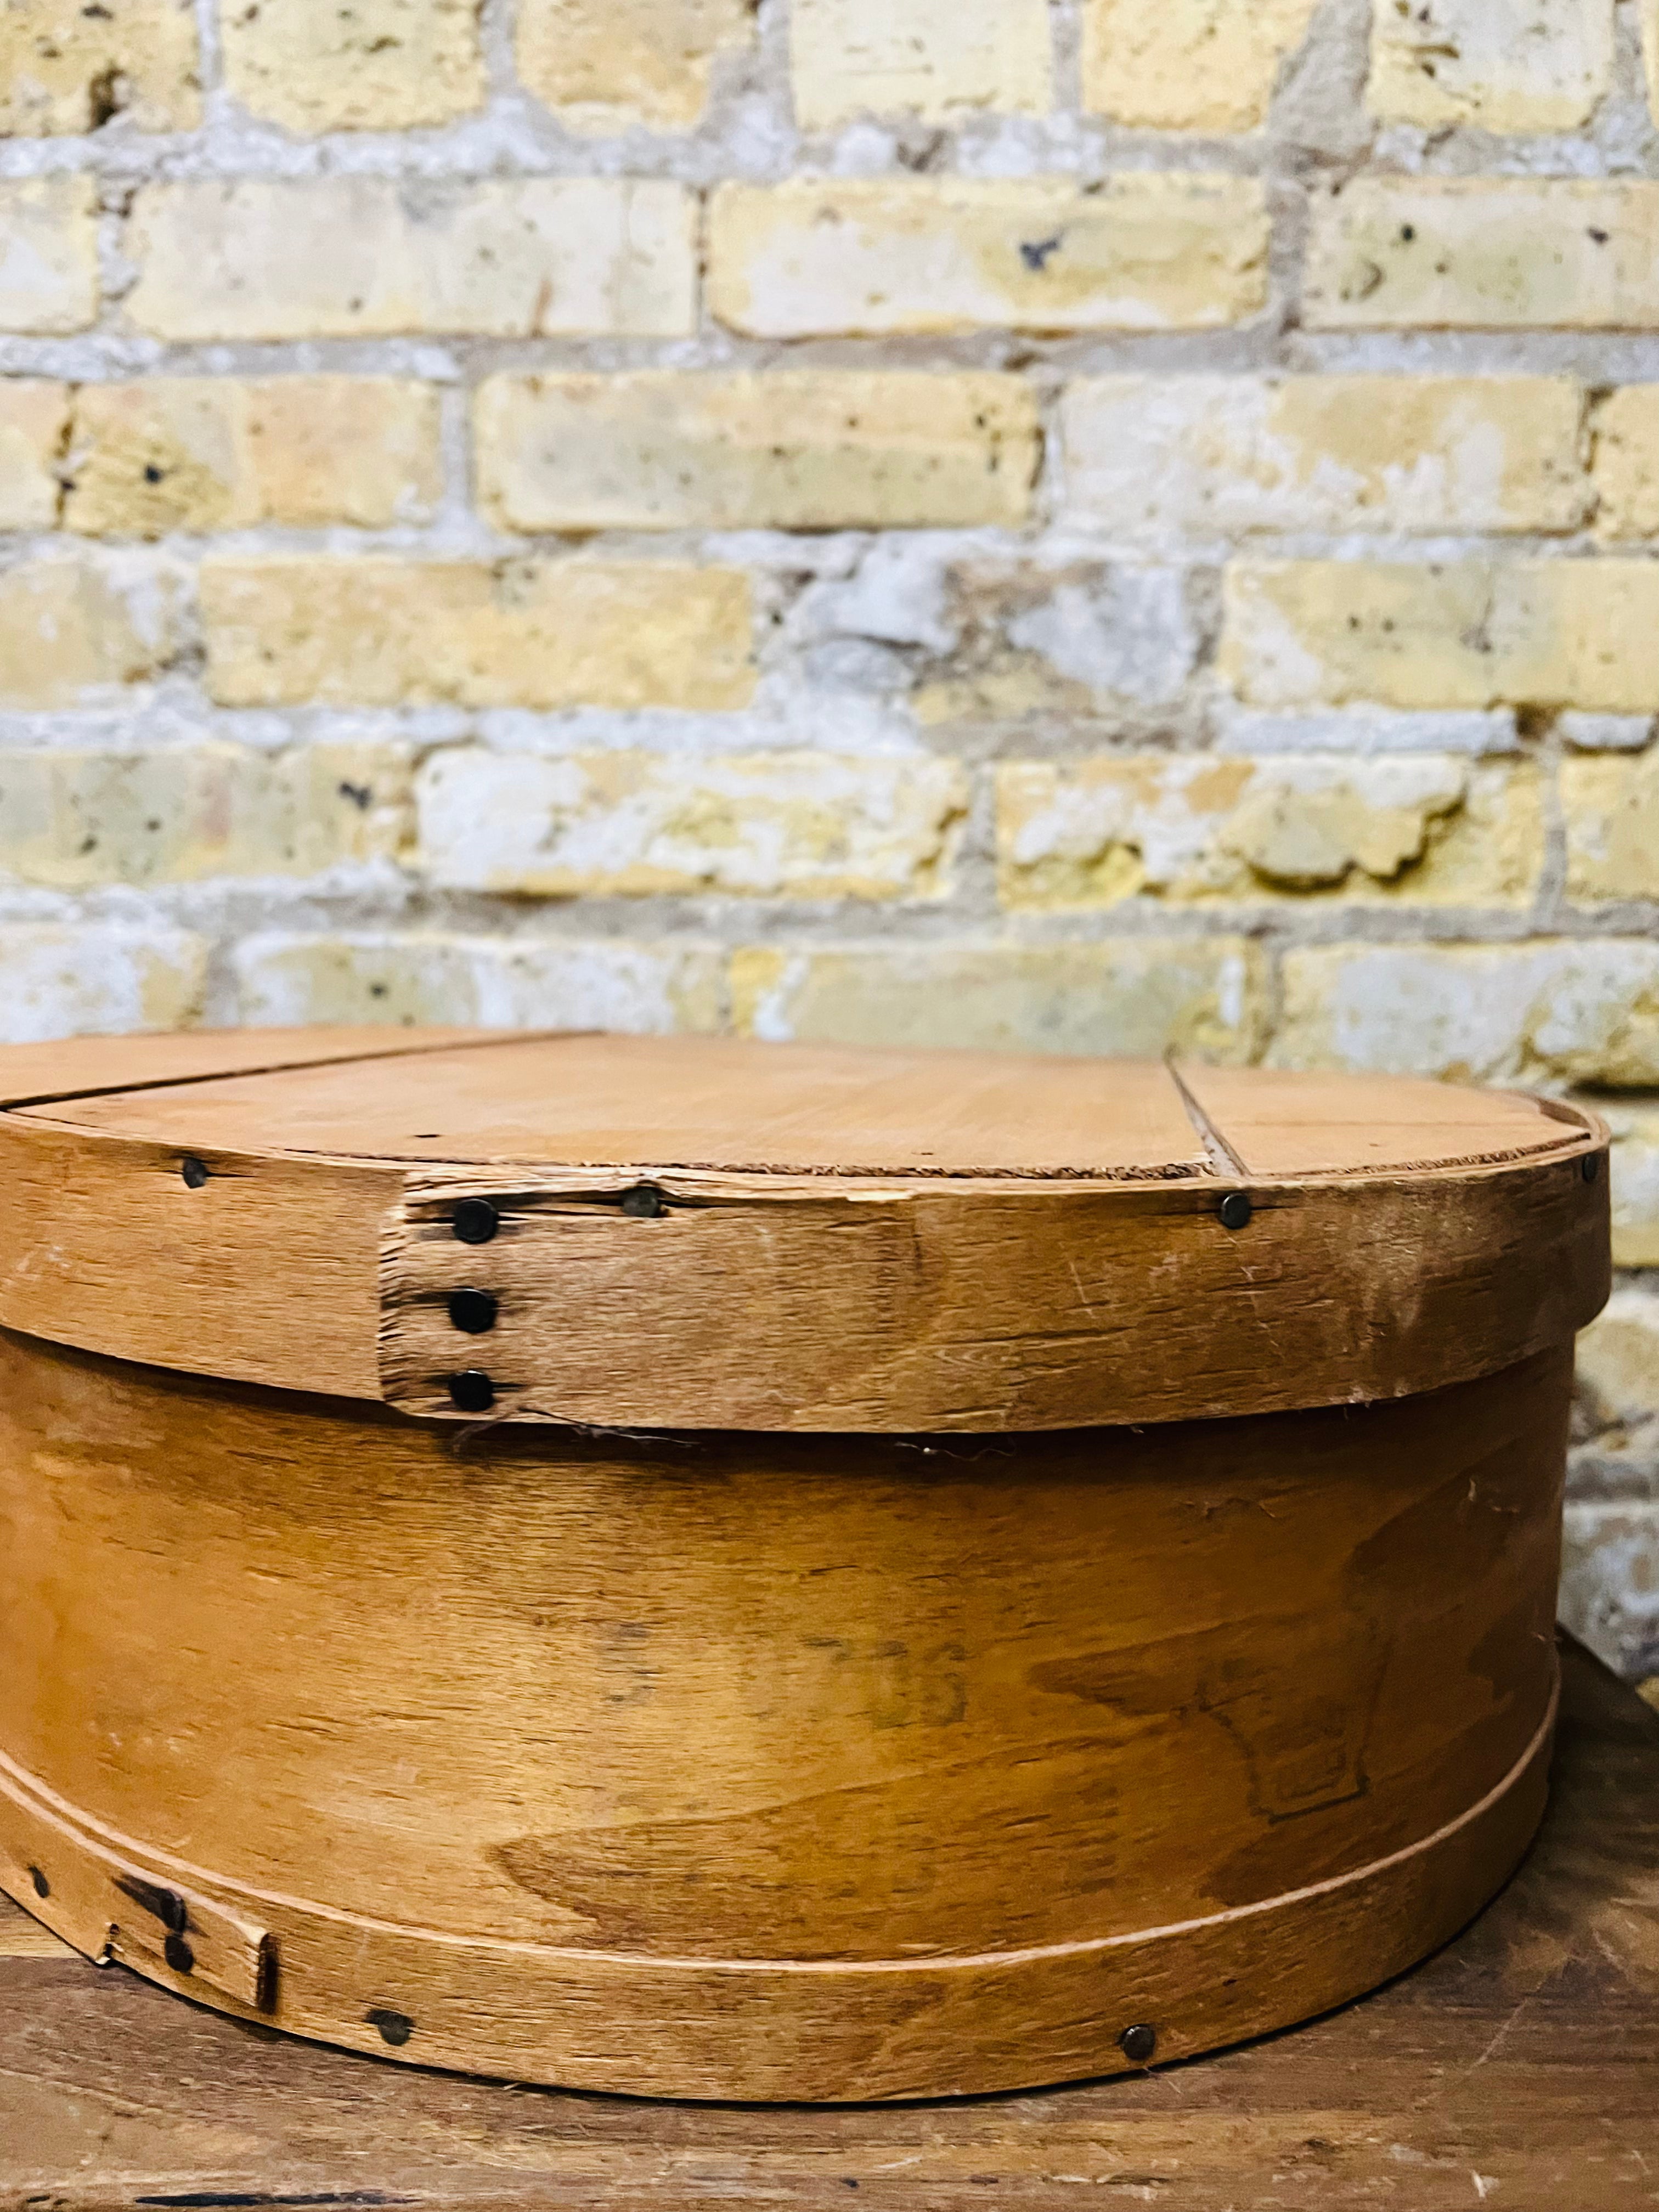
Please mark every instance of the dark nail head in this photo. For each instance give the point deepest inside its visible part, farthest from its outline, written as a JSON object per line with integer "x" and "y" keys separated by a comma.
{"x": 162, "y": 1904}
{"x": 1590, "y": 1166}
{"x": 472, "y": 1392}
{"x": 644, "y": 1202}
{"x": 1236, "y": 1210}
{"x": 1138, "y": 2043}
{"x": 472, "y": 1311}
{"x": 475, "y": 1221}
{"x": 395, "y": 2028}
{"x": 42, "y": 1886}
{"x": 194, "y": 1173}
{"x": 178, "y": 1955}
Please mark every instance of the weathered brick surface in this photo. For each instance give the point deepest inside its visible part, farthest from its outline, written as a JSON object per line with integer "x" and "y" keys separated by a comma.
{"x": 203, "y": 453}
{"x": 1485, "y": 253}
{"x": 1230, "y": 455}
{"x": 360, "y": 257}
{"x": 934, "y": 58}
{"x": 495, "y": 983}
{"x": 316, "y": 65}
{"x": 1610, "y": 1582}
{"x": 1188, "y": 65}
{"x": 1610, "y": 804}
{"x": 1625, "y": 428}
{"x": 76, "y": 820}
{"x": 799, "y": 449}
{"x": 799, "y": 825}
{"x": 1415, "y": 827}
{"x": 517, "y": 633}
{"x": 1146, "y": 252}
{"x": 602, "y": 67}
{"x": 1431, "y": 633}
{"x": 75, "y": 633}
{"x": 48, "y": 254}
{"x": 1634, "y": 1121}
{"x": 68, "y": 67}
{"x": 35, "y": 417}
{"x": 65, "y": 978}
{"x": 1550, "y": 1012}
{"x": 1498, "y": 64}
{"x": 1140, "y": 995}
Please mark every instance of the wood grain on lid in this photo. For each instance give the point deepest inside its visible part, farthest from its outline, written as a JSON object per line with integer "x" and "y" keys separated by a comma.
{"x": 828, "y": 1239}
{"x": 720, "y": 1104}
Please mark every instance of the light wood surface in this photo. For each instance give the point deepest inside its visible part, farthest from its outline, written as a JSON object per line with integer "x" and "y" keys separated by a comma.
{"x": 71, "y": 1067}
{"x": 1514, "y": 2067}
{"x": 769, "y": 1766}
{"x": 881, "y": 1242}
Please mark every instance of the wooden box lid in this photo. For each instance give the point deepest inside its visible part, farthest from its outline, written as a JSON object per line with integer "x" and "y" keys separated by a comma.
{"x": 705, "y": 1233}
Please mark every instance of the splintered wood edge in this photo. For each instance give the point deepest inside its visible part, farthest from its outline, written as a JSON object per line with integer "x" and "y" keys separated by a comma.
{"x": 1329, "y": 1290}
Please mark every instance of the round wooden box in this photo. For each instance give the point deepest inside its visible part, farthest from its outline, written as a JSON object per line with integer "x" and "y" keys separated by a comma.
{"x": 730, "y": 1571}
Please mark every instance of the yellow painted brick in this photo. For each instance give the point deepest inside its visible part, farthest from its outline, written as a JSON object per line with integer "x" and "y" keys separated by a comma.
{"x": 1580, "y": 634}
{"x": 362, "y": 257}
{"x": 1625, "y": 430}
{"x": 1174, "y": 456}
{"x": 931, "y": 58}
{"x": 77, "y": 820}
{"x": 203, "y": 453}
{"x": 1423, "y": 828}
{"x": 1492, "y": 64}
{"x": 285, "y": 980}
{"x": 316, "y": 65}
{"x": 33, "y": 424}
{"x": 603, "y": 68}
{"x": 1548, "y": 1012}
{"x": 1188, "y": 65}
{"x": 73, "y": 633}
{"x": 521, "y": 633}
{"x": 808, "y": 449}
{"x": 71, "y": 980}
{"x": 1485, "y": 253}
{"x": 48, "y": 254}
{"x": 1611, "y": 804}
{"x": 1144, "y": 251}
{"x": 66, "y": 67}
{"x": 795, "y": 824}
{"x": 1135, "y": 996}
{"x": 1650, "y": 51}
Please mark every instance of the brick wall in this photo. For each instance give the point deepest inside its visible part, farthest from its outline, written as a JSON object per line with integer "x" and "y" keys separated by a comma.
{"x": 1085, "y": 525}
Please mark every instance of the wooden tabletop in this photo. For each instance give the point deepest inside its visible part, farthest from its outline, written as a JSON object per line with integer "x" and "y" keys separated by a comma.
{"x": 1519, "y": 2067}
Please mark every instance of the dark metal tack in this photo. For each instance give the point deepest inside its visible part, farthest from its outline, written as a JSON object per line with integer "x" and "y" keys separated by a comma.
{"x": 1590, "y": 1166}
{"x": 193, "y": 1172}
{"x": 472, "y": 1392}
{"x": 475, "y": 1221}
{"x": 1138, "y": 2043}
{"x": 1236, "y": 1210}
{"x": 162, "y": 1904}
{"x": 644, "y": 1202}
{"x": 395, "y": 2028}
{"x": 473, "y": 1311}
{"x": 42, "y": 1886}
{"x": 178, "y": 1955}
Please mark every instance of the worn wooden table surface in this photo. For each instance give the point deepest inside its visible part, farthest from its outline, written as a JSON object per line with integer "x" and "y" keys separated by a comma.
{"x": 1520, "y": 2066}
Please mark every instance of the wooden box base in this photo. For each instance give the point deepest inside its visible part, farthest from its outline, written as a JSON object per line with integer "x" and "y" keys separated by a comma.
{"x": 768, "y": 1767}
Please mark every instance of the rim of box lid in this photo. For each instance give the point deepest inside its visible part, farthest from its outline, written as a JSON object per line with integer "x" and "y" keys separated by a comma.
{"x": 685, "y": 1233}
